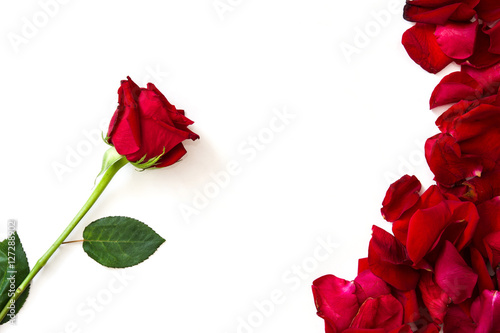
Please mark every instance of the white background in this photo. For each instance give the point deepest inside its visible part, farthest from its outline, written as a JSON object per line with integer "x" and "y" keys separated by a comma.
{"x": 356, "y": 122}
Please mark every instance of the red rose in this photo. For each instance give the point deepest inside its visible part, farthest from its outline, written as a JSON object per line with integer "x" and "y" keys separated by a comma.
{"x": 146, "y": 128}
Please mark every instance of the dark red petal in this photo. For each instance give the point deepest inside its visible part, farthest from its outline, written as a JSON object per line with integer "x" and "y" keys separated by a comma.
{"x": 479, "y": 266}
{"x": 447, "y": 161}
{"x": 485, "y": 311}
{"x": 455, "y": 87}
{"x": 388, "y": 260}
{"x": 489, "y": 222}
{"x": 457, "y": 321}
{"x": 453, "y": 275}
{"x": 484, "y": 188}
{"x": 492, "y": 245}
{"x": 172, "y": 156}
{"x": 401, "y": 196}
{"x": 440, "y": 15}
{"x": 481, "y": 58}
{"x": 494, "y": 34}
{"x": 421, "y": 45}
{"x": 488, "y": 10}
{"x": 335, "y": 301}
{"x": 457, "y": 40}
{"x": 446, "y": 121}
{"x": 381, "y": 312}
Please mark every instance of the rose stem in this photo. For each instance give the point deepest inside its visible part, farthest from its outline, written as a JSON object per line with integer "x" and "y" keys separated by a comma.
{"x": 106, "y": 178}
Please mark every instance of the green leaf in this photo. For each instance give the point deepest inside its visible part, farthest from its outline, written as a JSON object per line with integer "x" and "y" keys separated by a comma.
{"x": 118, "y": 241}
{"x": 150, "y": 163}
{"x": 110, "y": 157}
{"x": 13, "y": 270}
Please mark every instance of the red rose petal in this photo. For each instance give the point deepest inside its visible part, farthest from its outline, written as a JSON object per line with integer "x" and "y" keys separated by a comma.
{"x": 481, "y": 57}
{"x": 488, "y": 10}
{"x": 455, "y": 87}
{"x": 439, "y": 11}
{"x": 381, "y": 312}
{"x": 409, "y": 301}
{"x": 388, "y": 260}
{"x": 457, "y": 321}
{"x": 336, "y": 302}
{"x": 125, "y": 127}
{"x": 489, "y": 222}
{"x": 434, "y": 298}
{"x": 485, "y": 311}
{"x": 363, "y": 265}
{"x": 447, "y": 162}
{"x": 457, "y": 40}
{"x": 492, "y": 245}
{"x": 479, "y": 266}
{"x": 446, "y": 121}
{"x": 401, "y": 196}
{"x": 453, "y": 275}
{"x": 421, "y": 45}
{"x": 494, "y": 34}
{"x": 489, "y": 77}
{"x": 370, "y": 285}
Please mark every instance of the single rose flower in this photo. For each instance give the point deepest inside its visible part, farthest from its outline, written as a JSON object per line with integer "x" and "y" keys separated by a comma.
{"x": 146, "y": 128}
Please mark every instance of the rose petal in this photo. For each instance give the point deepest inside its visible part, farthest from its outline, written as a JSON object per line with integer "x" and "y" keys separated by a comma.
{"x": 479, "y": 266}
{"x": 457, "y": 40}
{"x": 481, "y": 57}
{"x": 401, "y": 196}
{"x": 456, "y": 320}
{"x": 421, "y": 45}
{"x": 434, "y": 298}
{"x": 447, "y": 162}
{"x": 336, "y": 302}
{"x": 370, "y": 285}
{"x": 492, "y": 245}
{"x": 388, "y": 260}
{"x": 489, "y": 222}
{"x": 488, "y": 77}
{"x": 125, "y": 128}
{"x": 436, "y": 12}
{"x": 453, "y": 275}
{"x": 488, "y": 10}
{"x": 381, "y": 312}
{"x": 409, "y": 301}
{"x": 455, "y": 87}
{"x": 485, "y": 311}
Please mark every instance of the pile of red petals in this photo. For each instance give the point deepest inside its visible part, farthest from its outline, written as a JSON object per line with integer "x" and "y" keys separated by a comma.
{"x": 439, "y": 269}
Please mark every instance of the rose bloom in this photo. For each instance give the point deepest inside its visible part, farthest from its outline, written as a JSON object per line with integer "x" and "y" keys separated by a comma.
{"x": 146, "y": 128}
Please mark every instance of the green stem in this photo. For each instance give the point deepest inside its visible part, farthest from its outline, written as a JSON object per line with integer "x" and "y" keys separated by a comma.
{"x": 106, "y": 178}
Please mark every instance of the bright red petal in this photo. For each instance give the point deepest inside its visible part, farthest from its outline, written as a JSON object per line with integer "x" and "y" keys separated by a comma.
{"x": 421, "y": 45}
{"x": 455, "y": 87}
{"x": 401, "y": 196}
{"x": 336, "y": 302}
